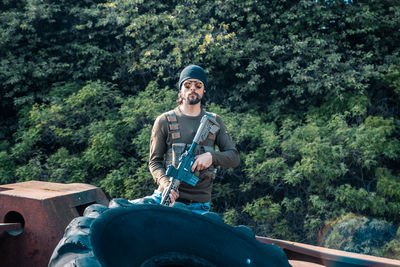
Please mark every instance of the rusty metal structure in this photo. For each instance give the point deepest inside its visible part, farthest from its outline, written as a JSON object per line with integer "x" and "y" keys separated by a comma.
{"x": 34, "y": 215}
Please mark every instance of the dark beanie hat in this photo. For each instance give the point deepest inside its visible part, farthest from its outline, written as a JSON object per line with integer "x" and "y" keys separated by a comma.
{"x": 193, "y": 72}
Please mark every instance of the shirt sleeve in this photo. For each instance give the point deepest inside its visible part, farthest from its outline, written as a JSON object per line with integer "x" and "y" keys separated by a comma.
{"x": 227, "y": 156}
{"x": 158, "y": 148}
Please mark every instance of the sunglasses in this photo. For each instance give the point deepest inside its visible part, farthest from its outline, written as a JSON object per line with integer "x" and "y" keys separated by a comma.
{"x": 197, "y": 84}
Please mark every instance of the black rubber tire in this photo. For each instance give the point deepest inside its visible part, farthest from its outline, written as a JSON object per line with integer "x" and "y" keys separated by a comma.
{"x": 128, "y": 234}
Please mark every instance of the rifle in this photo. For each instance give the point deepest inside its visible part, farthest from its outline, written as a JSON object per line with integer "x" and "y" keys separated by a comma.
{"x": 183, "y": 172}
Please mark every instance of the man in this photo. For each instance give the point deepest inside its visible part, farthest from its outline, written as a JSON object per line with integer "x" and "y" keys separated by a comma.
{"x": 173, "y": 132}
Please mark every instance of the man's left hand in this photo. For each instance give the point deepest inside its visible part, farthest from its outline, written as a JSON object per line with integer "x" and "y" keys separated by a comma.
{"x": 203, "y": 161}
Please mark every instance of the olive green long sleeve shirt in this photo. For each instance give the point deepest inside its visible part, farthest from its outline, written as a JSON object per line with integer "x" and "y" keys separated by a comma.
{"x": 161, "y": 141}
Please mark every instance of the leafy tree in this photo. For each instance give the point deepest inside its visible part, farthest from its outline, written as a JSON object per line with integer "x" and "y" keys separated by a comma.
{"x": 309, "y": 91}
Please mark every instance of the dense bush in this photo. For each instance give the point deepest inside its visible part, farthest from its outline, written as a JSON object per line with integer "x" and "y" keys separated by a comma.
{"x": 309, "y": 91}
{"x": 359, "y": 234}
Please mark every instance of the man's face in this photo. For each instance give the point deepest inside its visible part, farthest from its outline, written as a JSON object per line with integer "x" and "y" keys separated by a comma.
{"x": 192, "y": 91}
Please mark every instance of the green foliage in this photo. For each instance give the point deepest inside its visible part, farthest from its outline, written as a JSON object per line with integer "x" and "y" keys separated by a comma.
{"x": 317, "y": 159}
{"x": 358, "y": 234}
{"x": 392, "y": 248}
{"x": 309, "y": 91}
{"x": 268, "y": 218}
{"x": 263, "y": 209}
{"x": 372, "y": 141}
{"x": 230, "y": 217}
{"x": 364, "y": 202}
{"x": 393, "y": 78}
{"x": 66, "y": 167}
{"x": 388, "y": 185}
{"x": 7, "y": 167}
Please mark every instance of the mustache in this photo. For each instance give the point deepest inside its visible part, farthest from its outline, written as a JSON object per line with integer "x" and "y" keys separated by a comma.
{"x": 194, "y": 93}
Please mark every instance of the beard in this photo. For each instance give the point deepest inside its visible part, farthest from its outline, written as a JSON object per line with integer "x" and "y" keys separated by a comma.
{"x": 193, "y": 101}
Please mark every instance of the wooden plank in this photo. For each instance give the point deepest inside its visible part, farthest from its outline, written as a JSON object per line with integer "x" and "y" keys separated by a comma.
{"x": 327, "y": 256}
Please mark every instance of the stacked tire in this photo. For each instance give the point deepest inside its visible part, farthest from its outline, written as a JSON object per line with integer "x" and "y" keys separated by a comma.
{"x": 126, "y": 234}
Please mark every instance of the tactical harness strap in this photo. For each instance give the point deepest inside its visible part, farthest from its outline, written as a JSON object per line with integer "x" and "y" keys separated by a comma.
{"x": 178, "y": 148}
{"x": 173, "y": 126}
{"x": 211, "y": 136}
